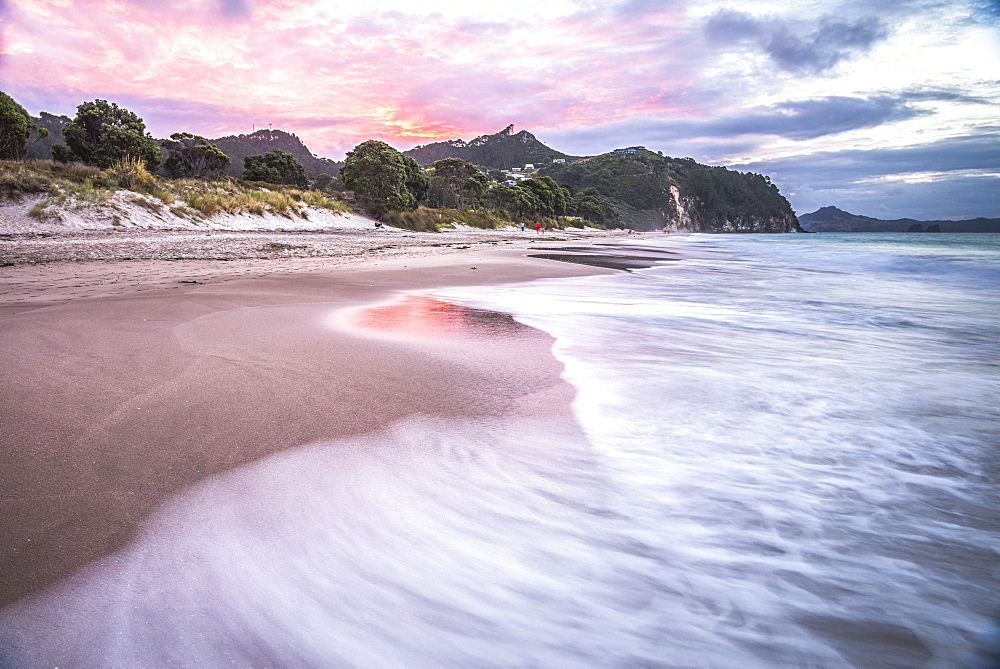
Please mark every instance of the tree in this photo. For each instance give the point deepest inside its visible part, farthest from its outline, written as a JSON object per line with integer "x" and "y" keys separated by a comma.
{"x": 594, "y": 207}
{"x": 383, "y": 179}
{"x": 15, "y": 127}
{"x": 448, "y": 181}
{"x": 103, "y": 133}
{"x": 417, "y": 182}
{"x": 324, "y": 182}
{"x": 275, "y": 167}
{"x": 192, "y": 156}
{"x": 515, "y": 200}
{"x": 474, "y": 188}
{"x": 61, "y": 154}
{"x": 554, "y": 199}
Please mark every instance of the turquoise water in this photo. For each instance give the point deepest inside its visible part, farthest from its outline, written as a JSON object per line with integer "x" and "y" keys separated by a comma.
{"x": 790, "y": 459}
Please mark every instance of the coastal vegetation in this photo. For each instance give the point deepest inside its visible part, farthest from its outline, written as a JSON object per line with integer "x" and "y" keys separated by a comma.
{"x": 275, "y": 167}
{"x": 15, "y": 128}
{"x": 650, "y": 191}
{"x": 383, "y": 179}
{"x": 502, "y": 179}
{"x": 193, "y": 156}
{"x": 75, "y": 185}
{"x": 103, "y": 133}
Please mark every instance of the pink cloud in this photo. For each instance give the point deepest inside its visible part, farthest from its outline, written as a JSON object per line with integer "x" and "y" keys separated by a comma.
{"x": 339, "y": 80}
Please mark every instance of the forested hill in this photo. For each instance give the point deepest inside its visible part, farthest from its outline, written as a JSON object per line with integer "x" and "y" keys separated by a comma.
{"x": 238, "y": 147}
{"x": 654, "y": 192}
{"x": 831, "y": 219}
{"x": 41, "y": 147}
{"x": 501, "y": 151}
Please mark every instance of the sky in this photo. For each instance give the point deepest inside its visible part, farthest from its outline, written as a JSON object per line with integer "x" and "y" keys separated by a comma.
{"x": 882, "y": 108}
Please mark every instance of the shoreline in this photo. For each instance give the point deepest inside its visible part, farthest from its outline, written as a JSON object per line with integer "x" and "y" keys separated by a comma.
{"x": 47, "y": 269}
{"x": 120, "y": 395}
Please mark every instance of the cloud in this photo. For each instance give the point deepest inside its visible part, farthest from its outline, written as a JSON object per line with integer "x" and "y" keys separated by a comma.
{"x": 831, "y": 42}
{"x": 964, "y": 181}
{"x": 795, "y": 119}
{"x": 819, "y": 117}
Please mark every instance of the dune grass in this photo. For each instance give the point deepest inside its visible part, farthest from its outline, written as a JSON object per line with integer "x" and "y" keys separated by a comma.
{"x": 424, "y": 219}
{"x": 74, "y": 185}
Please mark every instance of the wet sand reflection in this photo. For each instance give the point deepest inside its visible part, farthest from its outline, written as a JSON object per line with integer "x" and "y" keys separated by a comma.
{"x": 428, "y": 316}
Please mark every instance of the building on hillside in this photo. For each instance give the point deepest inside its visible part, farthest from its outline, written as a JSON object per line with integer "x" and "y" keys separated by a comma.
{"x": 631, "y": 149}
{"x": 558, "y": 161}
{"x": 509, "y": 182}
{"x": 529, "y": 166}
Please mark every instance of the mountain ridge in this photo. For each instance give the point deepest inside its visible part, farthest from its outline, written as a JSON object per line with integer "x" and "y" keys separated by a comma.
{"x": 833, "y": 219}
{"x": 500, "y": 151}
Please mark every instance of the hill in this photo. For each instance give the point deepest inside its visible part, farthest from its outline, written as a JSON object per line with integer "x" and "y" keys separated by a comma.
{"x": 654, "y": 192}
{"x": 238, "y": 147}
{"x": 500, "y": 151}
{"x": 832, "y": 219}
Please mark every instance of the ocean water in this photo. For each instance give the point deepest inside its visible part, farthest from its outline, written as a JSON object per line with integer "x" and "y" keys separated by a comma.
{"x": 789, "y": 456}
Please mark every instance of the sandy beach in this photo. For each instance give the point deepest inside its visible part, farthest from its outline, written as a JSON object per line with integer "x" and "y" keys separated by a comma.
{"x": 137, "y": 364}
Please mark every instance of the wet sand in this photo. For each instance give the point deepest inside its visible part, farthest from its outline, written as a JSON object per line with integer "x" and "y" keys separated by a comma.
{"x": 129, "y": 381}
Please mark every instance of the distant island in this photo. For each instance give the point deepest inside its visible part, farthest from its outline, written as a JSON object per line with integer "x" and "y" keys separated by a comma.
{"x": 832, "y": 219}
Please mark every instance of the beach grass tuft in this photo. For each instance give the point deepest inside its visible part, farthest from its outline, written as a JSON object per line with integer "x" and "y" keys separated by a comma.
{"x": 75, "y": 185}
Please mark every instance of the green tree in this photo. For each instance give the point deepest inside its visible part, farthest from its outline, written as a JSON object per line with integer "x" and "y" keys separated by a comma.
{"x": 553, "y": 199}
{"x": 417, "y": 182}
{"x": 275, "y": 167}
{"x": 15, "y": 127}
{"x": 61, "y": 154}
{"x": 324, "y": 182}
{"x": 594, "y": 207}
{"x": 514, "y": 200}
{"x": 474, "y": 188}
{"x": 192, "y": 156}
{"x": 103, "y": 133}
{"x": 383, "y": 179}
{"x": 448, "y": 180}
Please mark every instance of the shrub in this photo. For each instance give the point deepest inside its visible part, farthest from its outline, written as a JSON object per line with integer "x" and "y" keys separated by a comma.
{"x": 17, "y": 179}
{"x": 130, "y": 173}
{"x": 421, "y": 219}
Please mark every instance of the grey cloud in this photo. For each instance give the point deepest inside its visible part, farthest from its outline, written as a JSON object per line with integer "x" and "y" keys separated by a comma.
{"x": 850, "y": 179}
{"x": 808, "y": 119}
{"x": 235, "y": 8}
{"x": 795, "y": 119}
{"x": 220, "y": 9}
{"x": 831, "y": 42}
{"x": 943, "y": 95}
{"x": 970, "y": 152}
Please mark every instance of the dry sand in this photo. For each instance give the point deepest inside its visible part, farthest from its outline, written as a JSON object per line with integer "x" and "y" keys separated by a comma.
{"x": 125, "y": 381}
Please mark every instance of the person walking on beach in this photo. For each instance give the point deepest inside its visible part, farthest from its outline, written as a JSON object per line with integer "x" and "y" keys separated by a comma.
{"x": 522, "y": 226}
{"x": 538, "y": 226}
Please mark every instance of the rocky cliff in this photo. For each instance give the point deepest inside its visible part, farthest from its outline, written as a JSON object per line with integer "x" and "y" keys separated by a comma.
{"x": 656, "y": 192}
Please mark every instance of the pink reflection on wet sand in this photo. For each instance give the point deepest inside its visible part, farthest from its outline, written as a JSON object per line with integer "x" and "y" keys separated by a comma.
{"x": 424, "y": 315}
